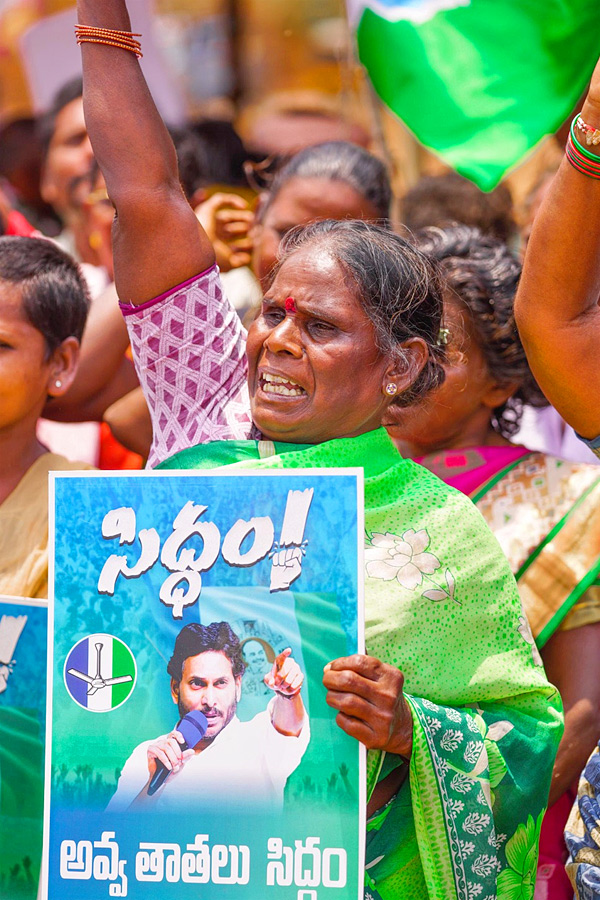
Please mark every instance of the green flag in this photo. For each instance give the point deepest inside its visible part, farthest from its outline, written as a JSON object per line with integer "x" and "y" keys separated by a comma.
{"x": 479, "y": 82}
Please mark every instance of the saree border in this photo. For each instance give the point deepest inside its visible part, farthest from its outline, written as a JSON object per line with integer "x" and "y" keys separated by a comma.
{"x": 555, "y": 530}
{"x": 487, "y": 485}
{"x": 568, "y": 548}
{"x": 429, "y": 796}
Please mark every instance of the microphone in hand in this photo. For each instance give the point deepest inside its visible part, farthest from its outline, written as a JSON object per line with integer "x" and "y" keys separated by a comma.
{"x": 192, "y": 727}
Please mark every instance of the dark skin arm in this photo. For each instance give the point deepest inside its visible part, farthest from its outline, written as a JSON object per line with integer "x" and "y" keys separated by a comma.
{"x": 157, "y": 240}
{"x": 130, "y": 422}
{"x": 572, "y": 662}
{"x": 557, "y": 302}
{"x": 368, "y": 695}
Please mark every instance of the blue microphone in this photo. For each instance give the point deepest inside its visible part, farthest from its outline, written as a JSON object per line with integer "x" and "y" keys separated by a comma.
{"x": 192, "y": 728}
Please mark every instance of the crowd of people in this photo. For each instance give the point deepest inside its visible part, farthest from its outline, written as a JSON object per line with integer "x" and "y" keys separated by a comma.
{"x": 449, "y": 355}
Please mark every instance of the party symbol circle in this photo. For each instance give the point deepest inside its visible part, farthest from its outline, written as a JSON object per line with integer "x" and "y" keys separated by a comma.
{"x": 100, "y": 672}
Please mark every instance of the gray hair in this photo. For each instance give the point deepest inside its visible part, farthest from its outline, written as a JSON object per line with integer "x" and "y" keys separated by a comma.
{"x": 397, "y": 285}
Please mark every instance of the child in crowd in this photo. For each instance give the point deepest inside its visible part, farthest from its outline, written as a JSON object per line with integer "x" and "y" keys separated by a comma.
{"x": 43, "y": 308}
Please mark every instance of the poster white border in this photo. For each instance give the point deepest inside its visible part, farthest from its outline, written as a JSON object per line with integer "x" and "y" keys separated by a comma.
{"x": 357, "y": 472}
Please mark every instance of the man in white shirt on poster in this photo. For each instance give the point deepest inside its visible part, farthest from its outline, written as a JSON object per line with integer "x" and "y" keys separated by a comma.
{"x": 245, "y": 763}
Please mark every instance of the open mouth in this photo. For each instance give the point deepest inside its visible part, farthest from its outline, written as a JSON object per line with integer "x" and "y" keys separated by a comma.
{"x": 280, "y": 386}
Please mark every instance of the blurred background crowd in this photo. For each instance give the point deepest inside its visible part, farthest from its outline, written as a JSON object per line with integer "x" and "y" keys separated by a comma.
{"x": 244, "y": 85}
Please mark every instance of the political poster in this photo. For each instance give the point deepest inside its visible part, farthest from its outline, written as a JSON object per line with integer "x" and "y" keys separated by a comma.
{"x": 191, "y": 751}
{"x": 23, "y": 639}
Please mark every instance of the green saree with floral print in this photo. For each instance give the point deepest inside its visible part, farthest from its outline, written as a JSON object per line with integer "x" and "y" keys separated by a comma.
{"x": 441, "y": 605}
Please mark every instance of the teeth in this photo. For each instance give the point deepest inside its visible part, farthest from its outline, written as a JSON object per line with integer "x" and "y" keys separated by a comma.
{"x": 282, "y": 390}
{"x": 277, "y": 379}
{"x": 285, "y": 387}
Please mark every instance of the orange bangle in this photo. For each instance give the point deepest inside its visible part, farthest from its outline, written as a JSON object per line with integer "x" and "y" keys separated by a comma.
{"x": 107, "y": 30}
{"x": 124, "y": 40}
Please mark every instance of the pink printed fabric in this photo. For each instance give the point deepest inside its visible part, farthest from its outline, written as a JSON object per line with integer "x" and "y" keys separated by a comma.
{"x": 189, "y": 350}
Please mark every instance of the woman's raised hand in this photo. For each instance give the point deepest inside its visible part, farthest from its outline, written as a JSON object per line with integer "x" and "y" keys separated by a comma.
{"x": 157, "y": 240}
{"x": 556, "y": 307}
{"x": 369, "y": 697}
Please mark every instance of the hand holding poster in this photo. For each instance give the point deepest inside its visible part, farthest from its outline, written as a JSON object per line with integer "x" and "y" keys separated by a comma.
{"x": 190, "y": 739}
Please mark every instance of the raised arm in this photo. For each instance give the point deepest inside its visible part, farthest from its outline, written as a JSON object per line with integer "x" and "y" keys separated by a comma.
{"x": 157, "y": 240}
{"x": 557, "y": 302}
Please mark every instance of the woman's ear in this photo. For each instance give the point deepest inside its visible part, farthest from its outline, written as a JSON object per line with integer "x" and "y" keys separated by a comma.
{"x": 405, "y": 368}
{"x": 497, "y": 394}
{"x": 63, "y": 367}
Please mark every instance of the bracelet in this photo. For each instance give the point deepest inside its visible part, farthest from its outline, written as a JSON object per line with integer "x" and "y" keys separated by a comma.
{"x": 583, "y": 164}
{"x": 124, "y": 40}
{"x": 592, "y": 135}
{"x": 582, "y": 150}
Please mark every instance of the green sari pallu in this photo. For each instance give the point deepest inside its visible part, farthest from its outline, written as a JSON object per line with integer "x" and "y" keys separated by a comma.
{"x": 441, "y": 605}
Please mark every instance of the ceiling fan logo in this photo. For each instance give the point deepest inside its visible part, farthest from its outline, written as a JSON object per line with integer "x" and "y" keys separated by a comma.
{"x": 100, "y": 672}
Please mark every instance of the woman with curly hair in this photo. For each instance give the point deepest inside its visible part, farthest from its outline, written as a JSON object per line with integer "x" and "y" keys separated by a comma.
{"x": 544, "y": 511}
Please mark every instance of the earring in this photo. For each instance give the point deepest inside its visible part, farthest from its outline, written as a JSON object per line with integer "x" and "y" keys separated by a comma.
{"x": 58, "y": 383}
{"x": 391, "y": 389}
{"x": 95, "y": 240}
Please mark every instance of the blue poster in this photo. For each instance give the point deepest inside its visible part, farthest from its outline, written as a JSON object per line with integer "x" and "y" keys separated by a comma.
{"x": 23, "y": 640}
{"x": 191, "y": 749}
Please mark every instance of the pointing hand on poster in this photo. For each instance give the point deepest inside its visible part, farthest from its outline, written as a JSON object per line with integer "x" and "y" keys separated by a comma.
{"x": 371, "y": 703}
{"x": 285, "y": 678}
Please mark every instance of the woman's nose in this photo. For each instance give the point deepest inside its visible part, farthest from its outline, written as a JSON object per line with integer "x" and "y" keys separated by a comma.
{"x": 285, "y": 337}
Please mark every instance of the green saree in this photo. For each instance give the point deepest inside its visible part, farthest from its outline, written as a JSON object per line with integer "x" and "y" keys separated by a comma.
{"x": 442, "y": 606}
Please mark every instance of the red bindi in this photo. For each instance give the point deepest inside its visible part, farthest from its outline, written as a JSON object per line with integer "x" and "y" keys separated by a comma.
{"x": 290, "y": 305}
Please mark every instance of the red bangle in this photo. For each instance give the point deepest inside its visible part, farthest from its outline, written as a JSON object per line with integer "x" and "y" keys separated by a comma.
{"x": 580, "y": 162}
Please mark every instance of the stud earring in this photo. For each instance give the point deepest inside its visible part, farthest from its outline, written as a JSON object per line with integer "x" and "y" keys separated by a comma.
{"x": 391, "y": 389}
{"x": 58, "y": 383}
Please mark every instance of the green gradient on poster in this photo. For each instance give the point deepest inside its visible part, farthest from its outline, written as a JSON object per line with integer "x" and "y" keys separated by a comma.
{"x": 22, "y": 726}
{"x": 21, "y": 803}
